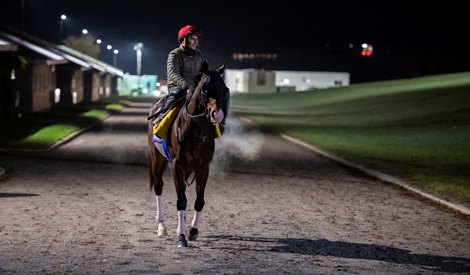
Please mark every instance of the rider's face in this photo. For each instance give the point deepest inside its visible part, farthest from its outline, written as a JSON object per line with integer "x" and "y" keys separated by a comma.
{"x": 192, "y": 41}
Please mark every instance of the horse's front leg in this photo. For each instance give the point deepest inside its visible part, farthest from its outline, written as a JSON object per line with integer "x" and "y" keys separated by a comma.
{"x": 181, "y": 203}
{"x": 201, "y": 181}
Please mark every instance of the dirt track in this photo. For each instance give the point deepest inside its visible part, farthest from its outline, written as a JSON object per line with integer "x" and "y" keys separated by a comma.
{"x": 272, "y": 207}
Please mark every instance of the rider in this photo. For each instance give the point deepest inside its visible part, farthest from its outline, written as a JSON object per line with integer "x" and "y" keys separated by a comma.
{"x": 183, "y": 63}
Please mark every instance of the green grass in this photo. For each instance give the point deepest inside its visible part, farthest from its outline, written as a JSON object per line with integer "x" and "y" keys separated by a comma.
{"x": 46, "y": 137}
{"x": 42, "y": 130}
{"x": 114, "y": 107}
{"x": 418, "y": 129}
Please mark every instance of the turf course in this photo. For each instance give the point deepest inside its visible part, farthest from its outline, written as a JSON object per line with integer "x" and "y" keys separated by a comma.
{"x": 417, "y": 129}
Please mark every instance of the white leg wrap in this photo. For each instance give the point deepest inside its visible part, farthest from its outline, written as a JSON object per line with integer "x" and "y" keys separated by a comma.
{"x": 181, "y": 222}
{"x": 160, "y": 217}
{"x": 196, "y": 219}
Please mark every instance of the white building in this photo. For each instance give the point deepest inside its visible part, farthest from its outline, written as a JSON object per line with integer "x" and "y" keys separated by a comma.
{"x": 304, "y": 80}
{"x": 261, "y": 81}
{"x": 250, "y": 80}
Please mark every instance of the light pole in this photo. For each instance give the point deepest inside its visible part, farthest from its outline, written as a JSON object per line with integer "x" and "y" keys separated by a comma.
{"x": 109, "y": 48}
{"x": 22, "y": 15}
{"x": 61, "y": 27}
{"x": 116, "y": 51}
{"x": 138, "y": 48}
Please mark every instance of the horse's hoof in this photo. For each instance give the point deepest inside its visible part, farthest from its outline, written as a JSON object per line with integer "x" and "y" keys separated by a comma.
{"x": 182, "y": 241}
{"x": 161, "y": 231}
{"x": 193, "y": 233}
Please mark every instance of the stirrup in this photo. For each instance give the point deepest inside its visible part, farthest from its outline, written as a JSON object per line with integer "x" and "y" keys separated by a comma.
{"x": 156, "y": 120}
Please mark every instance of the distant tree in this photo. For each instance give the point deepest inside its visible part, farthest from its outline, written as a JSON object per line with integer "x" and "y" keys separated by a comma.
{"x": 83, "y": 44}
{"x": 12, "y": 61}
{"x": 11, "y": 65}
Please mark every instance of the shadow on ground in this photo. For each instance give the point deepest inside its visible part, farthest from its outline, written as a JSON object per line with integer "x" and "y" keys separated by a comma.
{"x": 323, "y": 247}
{"x": 15, "y": 195}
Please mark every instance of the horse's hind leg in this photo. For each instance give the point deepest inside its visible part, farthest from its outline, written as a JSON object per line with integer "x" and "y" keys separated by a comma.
{"x": 201, "y": 181}
{"x": 161, "y": 229}
{"x": 157, "y": 167}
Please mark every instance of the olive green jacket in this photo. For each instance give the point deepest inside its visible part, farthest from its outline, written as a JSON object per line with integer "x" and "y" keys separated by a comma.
{"x": 182, "y": 66}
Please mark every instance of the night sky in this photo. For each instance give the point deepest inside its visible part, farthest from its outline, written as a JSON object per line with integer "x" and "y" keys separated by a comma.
{"x": 305, "y": 35}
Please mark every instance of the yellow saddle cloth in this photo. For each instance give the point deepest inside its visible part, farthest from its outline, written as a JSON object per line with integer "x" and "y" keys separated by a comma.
{"x": 162, "y": 128}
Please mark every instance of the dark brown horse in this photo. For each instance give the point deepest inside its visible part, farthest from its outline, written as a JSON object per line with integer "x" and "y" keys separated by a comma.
{"x": 191, "y": 149}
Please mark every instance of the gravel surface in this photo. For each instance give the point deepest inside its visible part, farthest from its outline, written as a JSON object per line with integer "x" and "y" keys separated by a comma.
{"x": 272, "y": 207}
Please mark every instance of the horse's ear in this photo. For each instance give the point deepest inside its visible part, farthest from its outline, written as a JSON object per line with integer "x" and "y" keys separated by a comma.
{"x": 204, "y": 67}
{"x": 221, "y": 70}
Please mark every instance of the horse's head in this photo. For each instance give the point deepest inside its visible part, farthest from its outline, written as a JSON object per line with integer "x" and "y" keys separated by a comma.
{"x": 214, "y": 92}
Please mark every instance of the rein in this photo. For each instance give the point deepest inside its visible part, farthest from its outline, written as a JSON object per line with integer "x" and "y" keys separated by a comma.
{"x": 194, "y": 117}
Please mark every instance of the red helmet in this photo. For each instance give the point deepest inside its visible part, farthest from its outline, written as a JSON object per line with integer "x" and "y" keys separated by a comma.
{"x": 187, "y": 30}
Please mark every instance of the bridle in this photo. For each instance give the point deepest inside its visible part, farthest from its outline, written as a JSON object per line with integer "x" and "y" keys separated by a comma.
{"x": 204, "y": 79}
{"x": 196, "y": 117}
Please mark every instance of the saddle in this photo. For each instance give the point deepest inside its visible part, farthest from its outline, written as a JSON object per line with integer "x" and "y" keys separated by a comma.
{"x": 162, "y": 119}
{"x": 161, "y": 130}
